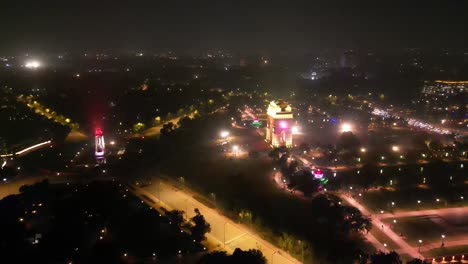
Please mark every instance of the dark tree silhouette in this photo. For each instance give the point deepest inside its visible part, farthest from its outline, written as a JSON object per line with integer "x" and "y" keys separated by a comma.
{"x": 251, "y": 256}
{"x": 348, "y": 142}
{"x": 200, "y": 227}
{"x": 386, "y": 258}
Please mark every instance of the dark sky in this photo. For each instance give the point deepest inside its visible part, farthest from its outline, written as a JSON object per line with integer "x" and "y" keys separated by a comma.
{"x": 240, "y": 26}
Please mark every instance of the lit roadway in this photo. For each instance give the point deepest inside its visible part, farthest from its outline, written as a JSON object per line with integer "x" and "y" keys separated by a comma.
{"x": 377, "y": 223}
{"x": 224, "y": 232}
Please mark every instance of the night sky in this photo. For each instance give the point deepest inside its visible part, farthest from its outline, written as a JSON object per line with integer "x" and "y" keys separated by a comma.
{"x": 238, "y": 26}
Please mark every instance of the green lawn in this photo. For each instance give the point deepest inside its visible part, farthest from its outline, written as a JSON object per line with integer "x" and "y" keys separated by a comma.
{"x": 447, "y": 251}
{"x": 404, "y": 200}
{"x": 416, "y": 228}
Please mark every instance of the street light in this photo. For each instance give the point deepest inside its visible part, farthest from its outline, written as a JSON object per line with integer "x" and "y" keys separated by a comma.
{"x": 295, "y": 130}
{"x": 346, "y": 127}
{"x": 235, "y": 149}
{"x": 395, "y": 148}
{"x": 224, "y": 134}
{"x": 363, "y": 150}
{"x": 420, "y": 242}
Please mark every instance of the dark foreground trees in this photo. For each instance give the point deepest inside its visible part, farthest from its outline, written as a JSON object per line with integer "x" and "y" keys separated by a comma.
{"x": 200, "y": 227}
{"x": 251, "y": 256}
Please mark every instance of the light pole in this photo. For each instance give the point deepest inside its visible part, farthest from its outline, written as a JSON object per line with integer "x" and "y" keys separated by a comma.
{"x": 443, "y": 238}
{"x": 186, "y": 208}
{"x": 302, "y": 250}
{"x": 420, "y": 242}
{"x": 224, "y": 234}
{"x": 272, "y": 256}
{"x": 159, "y": 190}
{"x": 235, "y": 149}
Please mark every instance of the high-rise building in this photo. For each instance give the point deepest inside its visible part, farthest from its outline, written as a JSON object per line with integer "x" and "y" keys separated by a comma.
{"x": 279, "y": 124}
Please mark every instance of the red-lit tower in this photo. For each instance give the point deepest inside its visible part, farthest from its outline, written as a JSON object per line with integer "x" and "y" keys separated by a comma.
{"x": 100, "y": 145}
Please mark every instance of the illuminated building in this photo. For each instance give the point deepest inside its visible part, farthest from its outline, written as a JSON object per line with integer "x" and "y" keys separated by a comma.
{"x": 100, "y": 145}
{"x": 446, "y": 88}
{"x": 279, "y": 124}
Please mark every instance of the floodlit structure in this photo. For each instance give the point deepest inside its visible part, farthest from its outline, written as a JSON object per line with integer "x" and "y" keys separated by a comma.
{"x": 32, "y": 64}
{"x": 279, "y": 124}
{"x": 100, "y": 145}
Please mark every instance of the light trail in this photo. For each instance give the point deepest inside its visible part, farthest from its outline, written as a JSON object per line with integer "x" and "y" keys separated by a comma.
{"x": 26, "y": 149}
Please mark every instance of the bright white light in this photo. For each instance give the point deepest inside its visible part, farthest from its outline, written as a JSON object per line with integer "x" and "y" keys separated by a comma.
{"x": 346, "y": 128}
{"x": 224, "y": 134}
{"x": 295, "y": 130}
{"x": 32, "y": 64}
{"x": 235, "y": 148}
{"x": 363, "y": 150}
{"x": 112, "y": 142}
{"x": 395, "y": 148}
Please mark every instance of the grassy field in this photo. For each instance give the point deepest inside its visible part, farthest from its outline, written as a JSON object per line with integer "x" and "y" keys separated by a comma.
{"x": 447, "y": 251}
{"x": 404, "y": 200}
{"x": 416, "y": 228}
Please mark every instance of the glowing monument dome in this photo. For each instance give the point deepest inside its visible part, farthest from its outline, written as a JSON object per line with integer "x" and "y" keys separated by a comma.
{"x": 279, "y": 124}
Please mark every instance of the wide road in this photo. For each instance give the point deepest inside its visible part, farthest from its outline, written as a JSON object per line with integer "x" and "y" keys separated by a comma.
{"x": 225, "y": 233}
{"x": 377, "y": 223}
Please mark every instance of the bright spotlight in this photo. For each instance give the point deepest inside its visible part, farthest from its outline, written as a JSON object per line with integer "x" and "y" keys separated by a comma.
{"x": 395, "y": 148}
{"x": 224, "y": 134}
{"x": 346, "y": 128}
{"x": 32, "y": 64}
{"x": 295, "y": 130}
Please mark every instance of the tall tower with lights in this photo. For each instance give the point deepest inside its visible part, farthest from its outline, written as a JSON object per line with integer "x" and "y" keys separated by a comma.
{"x": 279, "y": 124}
{"x": 99, "y": 144}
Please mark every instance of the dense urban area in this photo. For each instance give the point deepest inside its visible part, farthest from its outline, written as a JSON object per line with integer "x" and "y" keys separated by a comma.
{"x": 201, "y": 159}
{"x": 223, "y": 132}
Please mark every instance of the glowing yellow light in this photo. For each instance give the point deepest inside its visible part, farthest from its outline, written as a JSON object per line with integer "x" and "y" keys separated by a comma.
{"x": 346, "y": 128}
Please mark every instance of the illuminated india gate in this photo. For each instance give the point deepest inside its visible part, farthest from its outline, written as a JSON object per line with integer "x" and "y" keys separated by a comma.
{"x": 279, "y": 124}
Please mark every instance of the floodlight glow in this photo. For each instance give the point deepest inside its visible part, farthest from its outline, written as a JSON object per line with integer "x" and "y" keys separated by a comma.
{"x": 395, "y": 148}
{"x": 346, "y": 128}
{"x": 32, "y": 64}
{"x": 295, "y": 130}
{"x": 224, "y": 134}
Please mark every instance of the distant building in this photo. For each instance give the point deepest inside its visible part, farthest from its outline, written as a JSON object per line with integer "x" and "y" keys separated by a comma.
{"x": 445, "y": 88}
{"x": 279, "y": 124}
{"x": 349, "y": 60}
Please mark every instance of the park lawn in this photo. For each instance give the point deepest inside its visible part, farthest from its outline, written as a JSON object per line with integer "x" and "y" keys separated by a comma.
{"x": 405, "y": 200}
{"x": 416, "y": 228}
{"x": 447, "y": 251}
